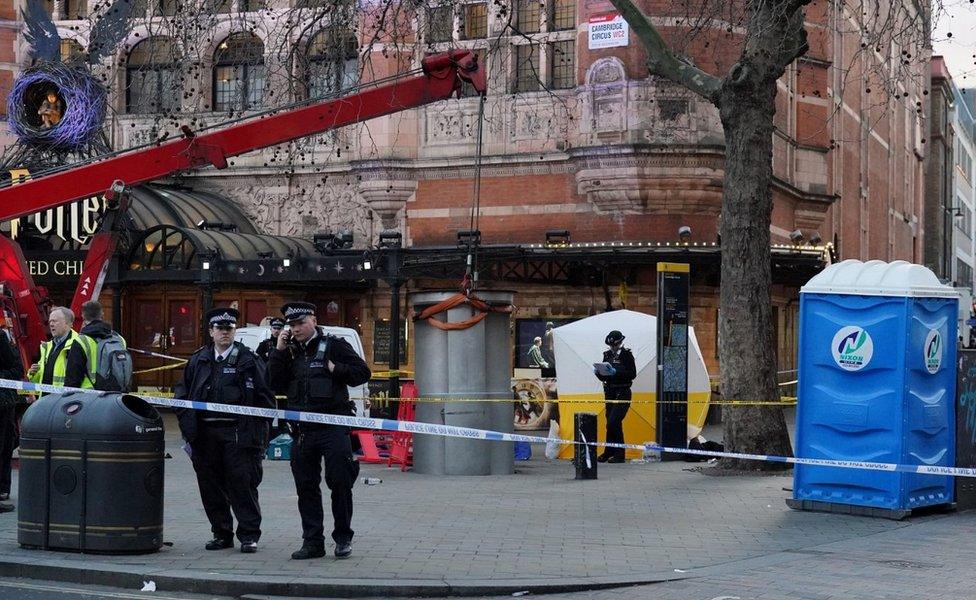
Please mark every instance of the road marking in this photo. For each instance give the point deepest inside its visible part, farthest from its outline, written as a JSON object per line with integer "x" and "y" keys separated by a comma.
{"x": 83, "y": 592}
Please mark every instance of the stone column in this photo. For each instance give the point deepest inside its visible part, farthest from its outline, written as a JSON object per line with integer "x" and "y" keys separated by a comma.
{"x": 467, "y": 363}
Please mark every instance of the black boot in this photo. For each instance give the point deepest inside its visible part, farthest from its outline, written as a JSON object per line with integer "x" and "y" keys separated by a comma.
{"x": 219, "y": 544}
{"x": 343, "y": 549}
{"x": 308, "y": 551}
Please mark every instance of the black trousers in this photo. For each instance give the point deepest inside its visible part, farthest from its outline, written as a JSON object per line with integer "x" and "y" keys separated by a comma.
{"x": 313, "y": 445}
{"x": 8, "y": 441}
{"x": 616, "y": 411}
{"x": 228, "y": 477}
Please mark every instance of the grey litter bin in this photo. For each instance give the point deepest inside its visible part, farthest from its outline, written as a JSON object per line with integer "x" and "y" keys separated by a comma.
{"x": 91, "y": 474}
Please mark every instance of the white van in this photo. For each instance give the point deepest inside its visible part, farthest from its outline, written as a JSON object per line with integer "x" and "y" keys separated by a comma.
{"x": 252, "y": 336}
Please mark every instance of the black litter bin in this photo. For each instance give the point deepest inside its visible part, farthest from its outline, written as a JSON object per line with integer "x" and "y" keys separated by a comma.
{"x": 91, "y": 474}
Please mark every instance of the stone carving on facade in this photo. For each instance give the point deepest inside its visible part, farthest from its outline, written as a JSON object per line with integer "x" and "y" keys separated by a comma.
{"x": 263, "y": 209}
{"x": 606, "y": 70}
{"x": 332, "y": 206}
{"x": 666, "y": 113}
{"x": 385, "y": 187}
{"x": 301, "y": 206}
{"x": 625, "y": 180}
{"x": 139, "y": 132}
{"x": 605, "y": 104}
{"x": 539, "y": 122}
{"x": 450, "y": 125}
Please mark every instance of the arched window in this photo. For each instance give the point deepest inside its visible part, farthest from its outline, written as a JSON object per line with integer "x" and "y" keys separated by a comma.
{"x": 238, "y": 73}
{"x": 152, "y": 82}
{"x": 71, "y": 51}
{"x": 332, "y": 62}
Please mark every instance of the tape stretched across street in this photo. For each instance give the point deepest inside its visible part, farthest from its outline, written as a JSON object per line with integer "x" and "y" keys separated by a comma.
{"x": 485, "y": 434}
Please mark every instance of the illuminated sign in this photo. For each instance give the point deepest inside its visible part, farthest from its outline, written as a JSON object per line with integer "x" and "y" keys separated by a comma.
{"x": 75, "y": 222}
{"x": 55, "y": 268}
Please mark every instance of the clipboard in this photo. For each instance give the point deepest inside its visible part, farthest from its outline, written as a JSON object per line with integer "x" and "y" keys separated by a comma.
{"x": 602, "y": 368}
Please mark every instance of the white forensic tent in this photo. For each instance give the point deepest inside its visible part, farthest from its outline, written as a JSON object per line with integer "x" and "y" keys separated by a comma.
{"x": 580, "y": 344}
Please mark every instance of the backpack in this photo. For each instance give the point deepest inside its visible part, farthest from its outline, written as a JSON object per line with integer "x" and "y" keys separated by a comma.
{"x": 113, "y": 372}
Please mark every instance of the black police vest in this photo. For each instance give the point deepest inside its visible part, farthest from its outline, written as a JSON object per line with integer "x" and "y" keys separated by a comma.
{"x": 224, "y": 386}
{"x": 311, "y": 387}
{"x": 615, "y": 361}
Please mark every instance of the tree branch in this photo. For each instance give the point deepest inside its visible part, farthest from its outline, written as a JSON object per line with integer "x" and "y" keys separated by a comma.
{"x": 661, "y": 60}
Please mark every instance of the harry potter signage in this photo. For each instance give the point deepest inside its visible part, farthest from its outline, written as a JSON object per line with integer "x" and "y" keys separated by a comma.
{"x": 52, "y": 267}
{"x": 75, "y": 222}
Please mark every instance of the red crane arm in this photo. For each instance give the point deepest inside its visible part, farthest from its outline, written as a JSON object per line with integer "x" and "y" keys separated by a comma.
{"x": 442, "y": 75}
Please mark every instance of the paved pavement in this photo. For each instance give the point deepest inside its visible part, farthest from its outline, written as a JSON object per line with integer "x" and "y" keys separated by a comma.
{"x": 538, "y": 530}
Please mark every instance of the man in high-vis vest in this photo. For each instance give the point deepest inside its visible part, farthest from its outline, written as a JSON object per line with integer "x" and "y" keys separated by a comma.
{"x": 69, "y": 358}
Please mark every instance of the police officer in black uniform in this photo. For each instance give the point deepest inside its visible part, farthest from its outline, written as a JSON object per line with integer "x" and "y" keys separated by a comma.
{"x": 226, "y": 449}
{"x": 314, "y": 370}
{"x": 264, "y": 348}
{"x": 616, "y": 386}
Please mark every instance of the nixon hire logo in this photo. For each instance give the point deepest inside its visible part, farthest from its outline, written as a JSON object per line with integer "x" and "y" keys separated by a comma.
{"x": 852, "y": 348}
{"x": 932, "y": 351}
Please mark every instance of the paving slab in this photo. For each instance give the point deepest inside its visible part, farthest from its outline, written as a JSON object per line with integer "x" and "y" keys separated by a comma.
{"x": 422, "y": 535}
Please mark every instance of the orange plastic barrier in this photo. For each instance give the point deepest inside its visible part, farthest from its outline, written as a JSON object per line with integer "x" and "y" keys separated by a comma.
{"x": 401, "y": 452}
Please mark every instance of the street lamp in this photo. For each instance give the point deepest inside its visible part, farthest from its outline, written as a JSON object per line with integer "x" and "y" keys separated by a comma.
{"x": 557, "y": 237}
{"x": 390, "y": 239}
{"x": 468, "y": 237}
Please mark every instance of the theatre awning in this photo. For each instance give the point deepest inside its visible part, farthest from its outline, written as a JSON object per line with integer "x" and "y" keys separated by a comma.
{"x": 172, "y": 252}
{"x": 156, "y": 204}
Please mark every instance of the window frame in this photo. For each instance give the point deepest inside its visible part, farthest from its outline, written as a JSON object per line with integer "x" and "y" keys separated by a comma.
{"x": 524, "y": 11}
{"x": 570, "y": 81}
{"x": 552, "y": 13}
{"x": 339, "y": 63}
{"x": 441, "y": 11}
{"x": 466, "y": 18}
{"x": 156, "y": 67}
{"x": 247, "y": 77}
{"x": 532, "y": 70}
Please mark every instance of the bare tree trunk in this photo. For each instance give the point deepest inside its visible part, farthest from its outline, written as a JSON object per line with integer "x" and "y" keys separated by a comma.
{"x": 746, "y": 343}
{"x": 746, "y": 99}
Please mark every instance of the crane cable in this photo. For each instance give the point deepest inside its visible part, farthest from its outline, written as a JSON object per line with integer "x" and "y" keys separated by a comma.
{"x": 470, "y": 281}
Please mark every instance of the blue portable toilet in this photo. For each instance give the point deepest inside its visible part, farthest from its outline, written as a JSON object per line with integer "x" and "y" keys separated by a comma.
{"x": 877, "y": 383}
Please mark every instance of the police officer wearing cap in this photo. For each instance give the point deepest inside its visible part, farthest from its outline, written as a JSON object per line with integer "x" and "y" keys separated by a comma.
{"x": 264, "y": 348}
{"x": 616, "y": 390}
{"x": 315, "y": 369}
{"x": 226, "y": 449}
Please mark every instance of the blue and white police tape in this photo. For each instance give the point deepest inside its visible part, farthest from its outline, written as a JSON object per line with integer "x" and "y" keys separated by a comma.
{"x": 488, "y": 435}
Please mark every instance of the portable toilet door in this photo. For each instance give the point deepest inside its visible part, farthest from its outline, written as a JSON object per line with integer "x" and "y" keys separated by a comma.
{"x": 876, "y": 384}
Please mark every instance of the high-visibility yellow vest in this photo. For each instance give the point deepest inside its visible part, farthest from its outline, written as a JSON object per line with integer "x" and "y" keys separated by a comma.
{"x": 90, "y": 348}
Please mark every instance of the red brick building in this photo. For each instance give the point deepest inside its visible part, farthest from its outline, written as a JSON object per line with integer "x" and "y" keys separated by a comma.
{"x": 9, "y": 67}
{"x": 576, "y": 138}
{"x": 640, "y": 157}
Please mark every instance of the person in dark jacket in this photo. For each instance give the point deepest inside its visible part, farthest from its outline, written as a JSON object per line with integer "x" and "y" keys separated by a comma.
{"x": 264, "y": 348}
{"x": 314, "y": 370}
{"x": 226, "y": 449}
{"x": 616, "y": 390}
{"x": 10, "y": 368}
{"x": 92, "y": 324}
